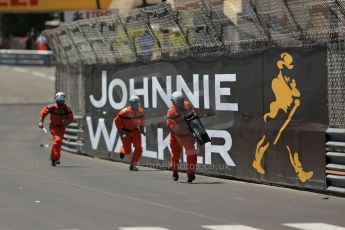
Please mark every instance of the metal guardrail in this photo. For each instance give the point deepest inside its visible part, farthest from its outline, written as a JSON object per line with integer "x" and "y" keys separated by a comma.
{"x": 27, "y": 57}
{"x": 73, "y": 140}
{"x": 335, "y": 156}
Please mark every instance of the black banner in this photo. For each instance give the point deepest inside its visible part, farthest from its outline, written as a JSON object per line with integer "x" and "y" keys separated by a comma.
{"x": 266, "y": 115}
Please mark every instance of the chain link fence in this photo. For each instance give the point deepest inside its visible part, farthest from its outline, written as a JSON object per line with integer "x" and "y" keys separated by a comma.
{"x": 201, "y": 29}
{"x": 336, "y": 85}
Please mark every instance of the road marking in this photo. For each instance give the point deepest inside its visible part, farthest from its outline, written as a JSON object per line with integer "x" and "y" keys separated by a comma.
{"x": 68, "y": 229}
{"x": 43, "y": 75}
{"x": 39, "y": 74}
{"x": 19, "y": 69}
{"x": 144, "y": 228}
{"x": 34, "y": 73}
{"x": 314, "y": 226}
{"x": 52, "y": 78}
{"x": 155, "y": 204}
{"x": 228, "y": 227}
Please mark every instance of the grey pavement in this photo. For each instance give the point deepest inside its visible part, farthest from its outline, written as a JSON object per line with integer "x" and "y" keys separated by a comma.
{"x": 90, "y": 194}
{"x": 19, "y": 85}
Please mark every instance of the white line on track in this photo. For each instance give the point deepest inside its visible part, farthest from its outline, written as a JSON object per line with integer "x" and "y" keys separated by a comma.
{"x": 314, "y": 226}
{"x": 34, "y": 73}
{"x": 144, "y": 228}
{"x": 20, "y": 69}
{"x": 52, "y": 78}
{"x": 228, "y": 227}
{"x": 69, "y": 229}
{"x": 39, "y": 74}
{"x": 120, "y": 195}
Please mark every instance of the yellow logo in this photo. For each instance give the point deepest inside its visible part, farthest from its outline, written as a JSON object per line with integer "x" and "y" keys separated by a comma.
{"x": 286, "y": 96}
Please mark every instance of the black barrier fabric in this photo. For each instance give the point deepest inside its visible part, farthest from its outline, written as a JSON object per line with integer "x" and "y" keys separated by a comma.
{"x": 266, "y": 115}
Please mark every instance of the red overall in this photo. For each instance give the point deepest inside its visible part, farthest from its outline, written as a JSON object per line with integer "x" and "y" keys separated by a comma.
{"x": 129, "y": 121}
{"x": 181, "y": 136}
{"x": 57, "y": 128}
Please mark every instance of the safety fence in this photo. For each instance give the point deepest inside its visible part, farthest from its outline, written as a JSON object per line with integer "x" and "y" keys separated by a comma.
{"x": 73, "y": 140}
{"x": 26, "y": 58}
{"x": 335, "y": 158}
{"x": 206, "y": 31}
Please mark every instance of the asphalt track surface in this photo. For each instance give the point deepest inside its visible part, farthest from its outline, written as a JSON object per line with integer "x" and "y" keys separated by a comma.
{"x": 22, "y": 85}
{"x": 90, "y": 194}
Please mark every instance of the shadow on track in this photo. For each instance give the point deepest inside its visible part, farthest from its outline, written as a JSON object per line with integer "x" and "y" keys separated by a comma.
{"x": 73, "y": 166}
{"x": 184, "y": 182}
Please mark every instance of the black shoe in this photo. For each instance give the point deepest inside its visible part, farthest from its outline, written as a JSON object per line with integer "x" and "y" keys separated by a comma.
{"x": 133, "y": 168}
{"x": 191, "y": 177}
{"x": 57, "y": 162}
{"x": 53, "y": 163}
{"x": 122, "y": 156}
{"x": 175, "y": 176}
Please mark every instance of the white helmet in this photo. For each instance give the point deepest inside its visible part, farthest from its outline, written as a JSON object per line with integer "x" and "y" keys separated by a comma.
{"x": 134, "y": 98}
{"x": 134, "y": 102}
{"x": 177, "y": 96}
{"x": 60, "y": 96}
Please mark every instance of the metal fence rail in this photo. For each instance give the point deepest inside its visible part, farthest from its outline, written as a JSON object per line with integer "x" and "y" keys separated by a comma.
{"x": 73, "y": 140}
{"x": 335, "y": 156}
{"x": 26, "y": 57}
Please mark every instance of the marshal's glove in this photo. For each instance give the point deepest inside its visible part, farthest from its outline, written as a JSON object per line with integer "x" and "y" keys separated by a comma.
{"x": 142, "y": 130}
{"x": 65, "y": 122}
{"x": 182, "y": 125}
{"x": 123, "y": 133}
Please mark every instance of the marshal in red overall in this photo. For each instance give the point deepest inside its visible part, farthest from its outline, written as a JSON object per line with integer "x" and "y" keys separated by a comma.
{"x": 181, "y": 136}
{"x": 130, "y": 123}
{"x": 60, "y": 116}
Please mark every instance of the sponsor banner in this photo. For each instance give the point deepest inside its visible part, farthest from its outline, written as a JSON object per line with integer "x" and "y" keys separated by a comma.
{"x": 266, "y": 115}
{"x": 71, "y": 16}
{"x": 50, "y": 5}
